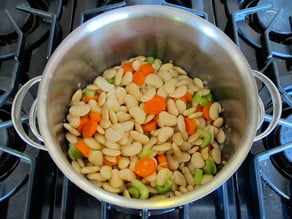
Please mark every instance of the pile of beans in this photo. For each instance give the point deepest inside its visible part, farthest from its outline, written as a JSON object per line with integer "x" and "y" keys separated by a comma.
{"x": 108, "y": 156}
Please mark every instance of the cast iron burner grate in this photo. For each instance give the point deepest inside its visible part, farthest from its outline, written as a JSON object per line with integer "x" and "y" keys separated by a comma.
{"x": 7, "y": 31}
{"x": 32, "y": 18}
{"x": 280, "y": 136}
{"x": 107, "y": 5}
{"x": 265, "y": 24}
{"x": 8, "y": 138}
{"x": 277, "y": 17}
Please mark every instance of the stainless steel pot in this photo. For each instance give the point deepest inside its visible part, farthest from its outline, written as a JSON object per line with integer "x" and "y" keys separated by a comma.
{"x": 169, "y": 34}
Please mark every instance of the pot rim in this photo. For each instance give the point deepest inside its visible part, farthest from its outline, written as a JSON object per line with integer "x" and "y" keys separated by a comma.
{"x": 107, "y": 18}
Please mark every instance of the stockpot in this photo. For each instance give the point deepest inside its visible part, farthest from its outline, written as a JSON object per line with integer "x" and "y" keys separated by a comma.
{"x": 166, "y": 33}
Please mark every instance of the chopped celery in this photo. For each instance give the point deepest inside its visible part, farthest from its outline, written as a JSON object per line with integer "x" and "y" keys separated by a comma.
{"x": 198, "y": 176}
{"x": 207, "y": 137}
{"x": 145, "y": 153}
{"x": 73, "y": 152}
{"x": 164, "y": 188}
{"x": 210, "y": 167}
{"x": 134, "y": 192}
{"x": 111, "y": 80}
{"x": 209, "y": 97}
{"x": 143, "y": 191}
{"x": 150, "y": 59}
{"x": 89, "y": 93}
{"x": 203, "y": 100}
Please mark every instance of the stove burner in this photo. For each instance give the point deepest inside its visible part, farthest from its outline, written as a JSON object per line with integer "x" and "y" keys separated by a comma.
{"x": 265, "y": 24}
{"x": 8, "y": 138}
{"x": 135, "y": 2}
{"x": 277, "y": 17}
{"x": 31, "y": 17}
{"x": 280, "y": 136}
{"x": 20, "y": 18}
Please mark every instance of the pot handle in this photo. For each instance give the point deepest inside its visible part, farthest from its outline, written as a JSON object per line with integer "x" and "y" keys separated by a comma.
{"x": 277, "y": 105}
{"x": 19, "y": 97}
{"x": 16, "y": 115}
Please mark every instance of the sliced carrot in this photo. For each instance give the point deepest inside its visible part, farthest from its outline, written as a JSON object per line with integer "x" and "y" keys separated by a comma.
{"x": 128, "y": 67}
{"x": 110, "y": 163}
{"x": 190, "y": 125}
{"x": 83, "y": 148}
{"x": 96, "y": 96}
{"x": 162, "y": 161}
{"x": 205, "y": 111}
{"x": 155, "y": 105}
{"x": 95, "y": 116}
{"x": 186, "y": 98}
{"x": 150, "y": 126}
{"x": 199, "y": 108}
{"x": 83, "y": 120}
{"x": 86, "y": 99}
{"x": 139, "y": 77}
{"x": 144, "y": 167}
{"x": 146, "y": 68}
{"x": 89, "y": 128}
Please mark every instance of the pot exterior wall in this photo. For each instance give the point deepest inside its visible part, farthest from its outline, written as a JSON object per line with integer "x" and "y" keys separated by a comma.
{"x": 170, "y": 35}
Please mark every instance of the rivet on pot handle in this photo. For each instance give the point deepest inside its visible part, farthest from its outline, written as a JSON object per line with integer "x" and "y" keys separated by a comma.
{"x": 16, "y": 115}
{"x": 277, "y": 105}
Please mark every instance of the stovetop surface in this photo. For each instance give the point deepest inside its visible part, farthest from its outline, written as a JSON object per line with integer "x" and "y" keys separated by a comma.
{"x": 40, "y": 190}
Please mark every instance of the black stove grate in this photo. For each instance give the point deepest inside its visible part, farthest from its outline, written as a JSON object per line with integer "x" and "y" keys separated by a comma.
{"x": 264, "y": 170}
{"x": 110, "y": 5}
{"x": 20, "y": 183}
{"x": 46, "y": 193}
{"x": 256, "y": 23}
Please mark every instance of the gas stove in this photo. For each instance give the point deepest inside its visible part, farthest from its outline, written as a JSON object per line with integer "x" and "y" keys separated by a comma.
{"x": 31, "y": 186}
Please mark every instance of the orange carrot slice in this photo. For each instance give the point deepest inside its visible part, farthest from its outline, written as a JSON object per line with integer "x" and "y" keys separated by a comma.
{"x": 156, "y": 105}
{"x": 83, "y": 120}
{"x": 186, "y": 98}
{"x": 138, "y": 77}
{"x": 110, "y": 163}
{"x": 150, "y": 126}
{"x": 95, "y": 116}
{"x": 146, "y": 68}
{"x": 190, "y": 125}
{"x": 128, "y": 67}
{"x": 86, "y": 99}
{"x": 83, "y": 148}
{"x": 205, "y": 111}
{"x": 144, "y": 167}
{"x": 89, "y": 128}
{"x": 162, "y": 161}
{"x": 199, "y": 108}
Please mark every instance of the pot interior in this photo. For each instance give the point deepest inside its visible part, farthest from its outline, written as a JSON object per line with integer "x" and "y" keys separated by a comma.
{"x": 170, "y": 35}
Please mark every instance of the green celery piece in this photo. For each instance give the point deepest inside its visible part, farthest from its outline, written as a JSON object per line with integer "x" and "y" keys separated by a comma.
{"x": 73, "y": 152}
{"x": 209, "y": 97}
{"x": 207, "y": 137}
{"x": 111, "y": 80}
{"x": 164, "y": 188}
{"x": 150, "y": 59}
{"x": 134, "y": 192}
{"x": 203, "y": 100}
{"x": 145, "y": 153}
{"x": 198, "y": 176}
{"x": 210, "y": 167}
{"x": 143, "y": 191}
{"x": 89, "y": 93}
